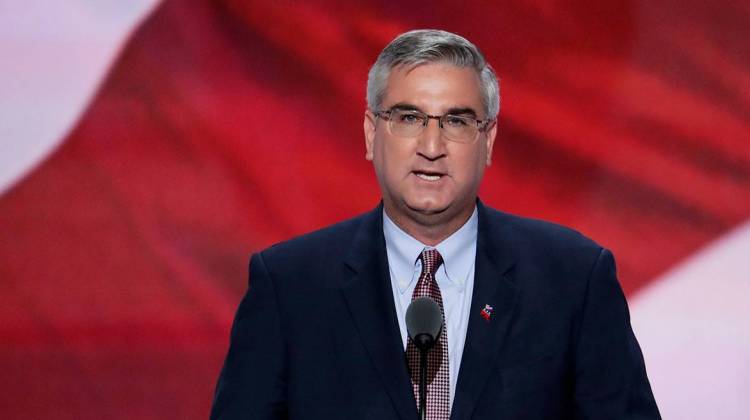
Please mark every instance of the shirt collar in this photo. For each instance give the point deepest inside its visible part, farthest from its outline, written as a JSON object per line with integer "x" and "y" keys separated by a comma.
{"x": 458, "y": 251}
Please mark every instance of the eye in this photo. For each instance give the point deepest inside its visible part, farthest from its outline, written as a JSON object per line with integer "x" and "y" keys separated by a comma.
{"x": 456, "y": 121}
{"x": 408, "y": 118}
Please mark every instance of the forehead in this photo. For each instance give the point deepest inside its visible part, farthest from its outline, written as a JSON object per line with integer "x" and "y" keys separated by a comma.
{"x": 434, "y": 87}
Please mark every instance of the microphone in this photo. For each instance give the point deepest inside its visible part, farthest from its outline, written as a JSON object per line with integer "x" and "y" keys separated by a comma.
{"x": 424, "y": 322}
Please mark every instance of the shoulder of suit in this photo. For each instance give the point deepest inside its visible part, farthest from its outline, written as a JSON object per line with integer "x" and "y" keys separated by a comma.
{"x": 536, "y": 233}
{"x": 333, "y": 239}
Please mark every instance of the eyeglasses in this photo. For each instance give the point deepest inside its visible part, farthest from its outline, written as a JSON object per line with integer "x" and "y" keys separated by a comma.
{"x": 410, "y": 123}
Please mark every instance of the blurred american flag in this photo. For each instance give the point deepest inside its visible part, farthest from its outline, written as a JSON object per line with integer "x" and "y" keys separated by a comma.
{"x": 148, "y": 148}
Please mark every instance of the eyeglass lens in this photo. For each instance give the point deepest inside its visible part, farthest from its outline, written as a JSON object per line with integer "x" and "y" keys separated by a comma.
{"x": 404, "y": 123}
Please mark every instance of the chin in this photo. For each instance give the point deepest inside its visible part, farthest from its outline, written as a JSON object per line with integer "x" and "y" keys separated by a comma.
{"x": 426, "y": 207}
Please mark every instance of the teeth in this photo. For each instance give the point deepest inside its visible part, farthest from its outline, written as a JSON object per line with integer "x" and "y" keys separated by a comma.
{"x": 429, "y": 177}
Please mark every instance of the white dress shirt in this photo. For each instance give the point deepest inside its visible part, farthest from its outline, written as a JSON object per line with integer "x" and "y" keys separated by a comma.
{"x": 455, "y": 277}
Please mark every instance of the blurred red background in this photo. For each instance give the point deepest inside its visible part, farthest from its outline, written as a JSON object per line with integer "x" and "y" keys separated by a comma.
{"x": 225, "y": 126}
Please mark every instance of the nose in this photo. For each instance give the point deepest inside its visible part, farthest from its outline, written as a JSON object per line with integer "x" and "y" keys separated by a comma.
{"x": 431, "y": 143}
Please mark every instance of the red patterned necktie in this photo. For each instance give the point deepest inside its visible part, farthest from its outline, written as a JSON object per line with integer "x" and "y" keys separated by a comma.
{"x": 438, "y": 380}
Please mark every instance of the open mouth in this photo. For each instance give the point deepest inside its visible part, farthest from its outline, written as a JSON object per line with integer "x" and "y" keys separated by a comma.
{"x": 428, "y": 176}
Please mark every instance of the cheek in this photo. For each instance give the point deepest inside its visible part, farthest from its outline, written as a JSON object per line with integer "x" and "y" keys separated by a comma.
{"x": 394, "y": 156}
{"x": 470, "y": 164}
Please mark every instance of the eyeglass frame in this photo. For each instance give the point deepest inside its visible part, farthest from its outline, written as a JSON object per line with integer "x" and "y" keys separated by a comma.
{"x": 482, "y": 125}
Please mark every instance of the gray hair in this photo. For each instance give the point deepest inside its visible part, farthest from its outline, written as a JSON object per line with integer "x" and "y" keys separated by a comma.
{"x": 414, "y": 48}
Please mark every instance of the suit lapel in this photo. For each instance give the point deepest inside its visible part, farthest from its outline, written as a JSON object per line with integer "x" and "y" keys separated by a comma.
{"x": 484, "y": 337}
{"x": 370, "y": 300}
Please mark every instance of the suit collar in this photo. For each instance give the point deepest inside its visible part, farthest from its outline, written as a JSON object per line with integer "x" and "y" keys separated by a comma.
{"x": 493, "y": 287}
{"x": 370, "y": 300}
{"x": 496, "y": 237}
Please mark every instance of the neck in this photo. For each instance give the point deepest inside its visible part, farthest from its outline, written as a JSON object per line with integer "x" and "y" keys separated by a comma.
{"x": 429, "y": 229}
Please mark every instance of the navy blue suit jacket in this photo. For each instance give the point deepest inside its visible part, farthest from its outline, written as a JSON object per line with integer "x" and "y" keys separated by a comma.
{"x": 316, "y": 335}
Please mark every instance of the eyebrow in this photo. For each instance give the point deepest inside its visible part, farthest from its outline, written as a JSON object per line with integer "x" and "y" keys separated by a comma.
{"x": 404, "y": 106}
{"x": 462, "y": 111}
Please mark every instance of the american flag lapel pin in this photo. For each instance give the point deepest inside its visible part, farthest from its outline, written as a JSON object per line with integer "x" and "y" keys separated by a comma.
{"x": 486, "y": 312}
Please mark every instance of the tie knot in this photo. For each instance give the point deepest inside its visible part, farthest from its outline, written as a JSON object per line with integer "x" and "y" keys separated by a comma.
{"x": 431, "y": 261}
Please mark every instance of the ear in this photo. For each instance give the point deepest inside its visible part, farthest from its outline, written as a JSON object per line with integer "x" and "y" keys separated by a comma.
{"x": 491, "y": 133}
{"x": 369, "y": 127}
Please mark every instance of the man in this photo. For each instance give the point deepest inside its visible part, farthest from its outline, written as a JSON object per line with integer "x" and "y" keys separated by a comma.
{"x": 535, "y": 323}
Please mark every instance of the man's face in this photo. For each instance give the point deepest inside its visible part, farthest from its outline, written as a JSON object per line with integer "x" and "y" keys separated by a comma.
{"x": 428, "y": 179}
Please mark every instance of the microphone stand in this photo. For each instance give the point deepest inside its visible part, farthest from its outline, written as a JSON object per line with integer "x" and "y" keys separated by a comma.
{"x": 423, "y": 342}
{"x": 423, "y": 383}
{"x": 424, "y": 323}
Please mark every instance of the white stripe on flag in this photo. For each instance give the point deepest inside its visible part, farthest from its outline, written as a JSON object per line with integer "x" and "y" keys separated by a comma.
{"x": 53, "y": 55}
{"x": 694, "y": 326}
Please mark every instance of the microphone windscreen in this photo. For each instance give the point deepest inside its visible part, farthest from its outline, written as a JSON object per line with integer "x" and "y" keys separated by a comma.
{"x": 423, "y": 316}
